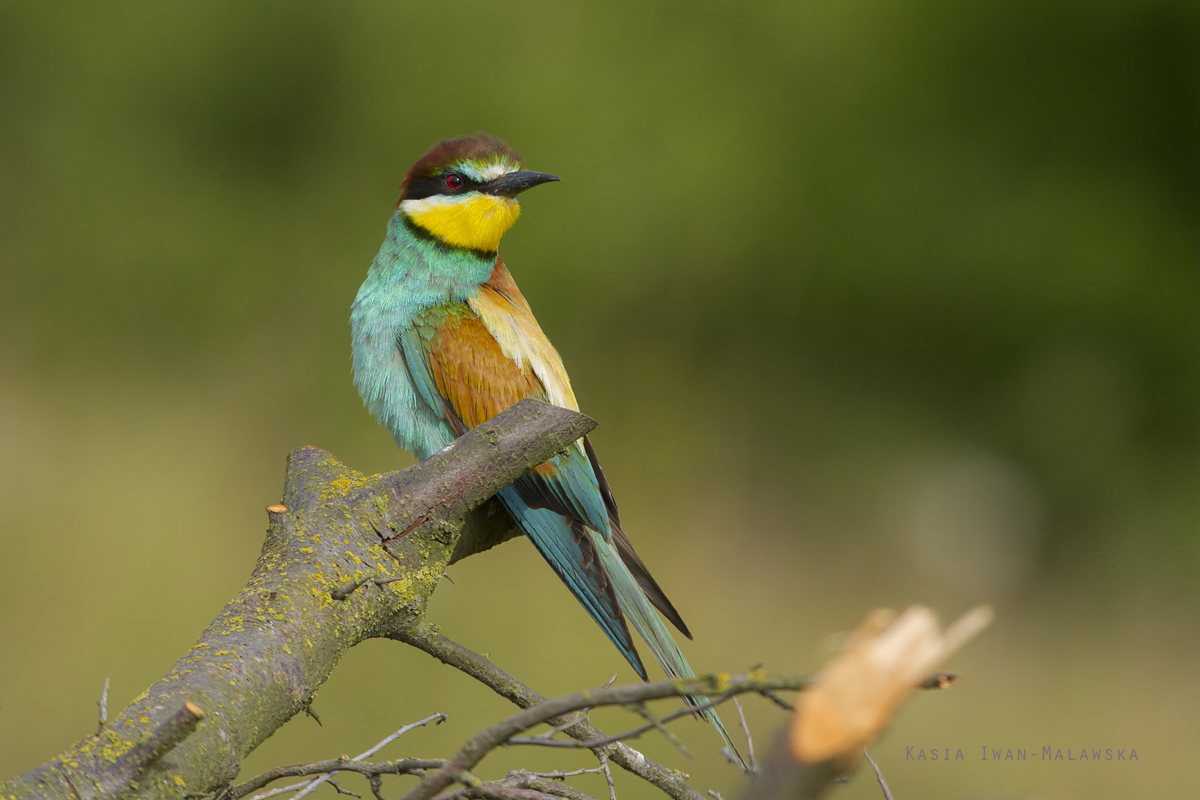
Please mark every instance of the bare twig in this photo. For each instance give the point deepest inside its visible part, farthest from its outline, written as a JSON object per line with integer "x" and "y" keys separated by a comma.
{"x": 654, "y": 724}
{"x": 749, "y": 739}
{"x": 557, "y": 729}
{"x": 103, "y": 703}
{"x": 530, "y": 789}
{"x": 340, "y": 790}
{"x": 882, "y": 783}
{"x": 612, "y": 789}
{"x": 522, "y": 785}
{"x": 547, "y": 783}
{"x": 523, "y": 779}
{"x": 475, "y": 750}
{"x": 671, "y": 782}
{"x": 345, "y": 591}
{"x": 272, "y": 793}
{"x": 938, "y": 680}
{"x": 572, "y": 721}
{"x": 526, "y": 779}
{"x": 777, "y": 700}
{"x": 661, "y": 726}
{"x": 438, "y": 719}
{"x": 370, "y": 769}
{"x": 170, "y": 732}
{"x": 559, "y": 775}
{"x": 327, "y": 769}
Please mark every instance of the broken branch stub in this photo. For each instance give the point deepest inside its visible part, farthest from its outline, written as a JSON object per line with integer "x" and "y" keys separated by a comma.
{"x": 857, "y": 694}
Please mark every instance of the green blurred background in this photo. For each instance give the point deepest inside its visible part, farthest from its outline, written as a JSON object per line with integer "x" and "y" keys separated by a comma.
{"x": 876, "y": 302}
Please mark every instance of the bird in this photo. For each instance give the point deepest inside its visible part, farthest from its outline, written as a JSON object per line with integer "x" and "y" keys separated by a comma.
{"x": 443, "y": 340}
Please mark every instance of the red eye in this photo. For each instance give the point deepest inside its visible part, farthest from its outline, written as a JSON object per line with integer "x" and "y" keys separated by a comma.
{"x": 453, "y": 181}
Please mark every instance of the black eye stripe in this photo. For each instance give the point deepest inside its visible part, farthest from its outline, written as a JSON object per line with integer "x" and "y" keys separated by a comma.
{"x": 420, "y": 188}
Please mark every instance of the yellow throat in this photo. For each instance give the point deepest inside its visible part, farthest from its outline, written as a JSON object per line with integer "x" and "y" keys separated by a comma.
{"x": 474, "y": 221}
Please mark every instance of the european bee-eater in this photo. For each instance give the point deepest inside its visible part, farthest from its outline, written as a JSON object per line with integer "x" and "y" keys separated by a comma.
{"x": 443, "y": 341}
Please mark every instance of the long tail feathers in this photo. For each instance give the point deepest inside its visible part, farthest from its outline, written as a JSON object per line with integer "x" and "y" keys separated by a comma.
{"x": 641, "y": 615}
{"x": 594, "y": 570}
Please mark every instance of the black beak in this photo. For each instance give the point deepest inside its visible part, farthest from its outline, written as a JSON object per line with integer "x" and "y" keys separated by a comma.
{"x": 514, "y": 183}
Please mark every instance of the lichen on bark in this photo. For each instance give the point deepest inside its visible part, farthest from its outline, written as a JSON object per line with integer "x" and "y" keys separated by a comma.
{"x": 261, "y": 661}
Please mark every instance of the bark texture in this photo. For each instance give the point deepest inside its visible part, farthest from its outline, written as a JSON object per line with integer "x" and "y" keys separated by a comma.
{"x": 347, "y": 557}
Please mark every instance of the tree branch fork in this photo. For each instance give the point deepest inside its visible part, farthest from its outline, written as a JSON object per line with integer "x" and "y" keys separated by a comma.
{"x": 261, "y": 661}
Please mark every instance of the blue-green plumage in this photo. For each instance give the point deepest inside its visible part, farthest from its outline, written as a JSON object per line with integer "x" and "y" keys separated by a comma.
{"x": 410, "y": 274}
{"x": 442, "y": 340}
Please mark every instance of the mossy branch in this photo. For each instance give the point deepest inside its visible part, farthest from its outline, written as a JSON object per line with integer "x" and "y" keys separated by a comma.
{"x": 347, "y": 558}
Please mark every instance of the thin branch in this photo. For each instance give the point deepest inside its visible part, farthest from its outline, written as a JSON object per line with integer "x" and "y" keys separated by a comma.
{"x": 527, "y": 780}
{"x": 749, "y": 738}
{"x": 345, "y": 591}
{"x": 671, "y": 782}
{"x": 103, "y": 703}
{"x": 521, "y": 779}
{"x": 484, "y": 742}
{"x": 340, "y": 790}
{"x": 173, "y": 730}
{"x": 561, "y": 728}
{"x": 612, "y": 789}
{"x": 272, "y": 793}
{"x": 938, "y": 680}
{"x": 559, "y": 775}
{"x": 661, "y": 725}
{"x": 630, "y": 734}
{"x": 501, "y": 791}
{"x": 887, "y": 793}
{"x": 438, "y": 719}
{"x": 777, "y": 700}
{"x": 327, "y": 769}
{"x": 404, "y": 766}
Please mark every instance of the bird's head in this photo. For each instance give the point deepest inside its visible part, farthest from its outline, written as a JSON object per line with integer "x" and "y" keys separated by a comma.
{"x": 464, "y": 191}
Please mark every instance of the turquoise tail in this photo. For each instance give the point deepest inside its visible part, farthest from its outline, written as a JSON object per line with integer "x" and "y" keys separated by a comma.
{"x": 598, "y": 577}
{"x": 650, "y": 627}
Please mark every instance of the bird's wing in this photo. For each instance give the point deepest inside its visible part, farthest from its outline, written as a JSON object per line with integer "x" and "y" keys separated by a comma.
{"x": 462, "y": 371}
